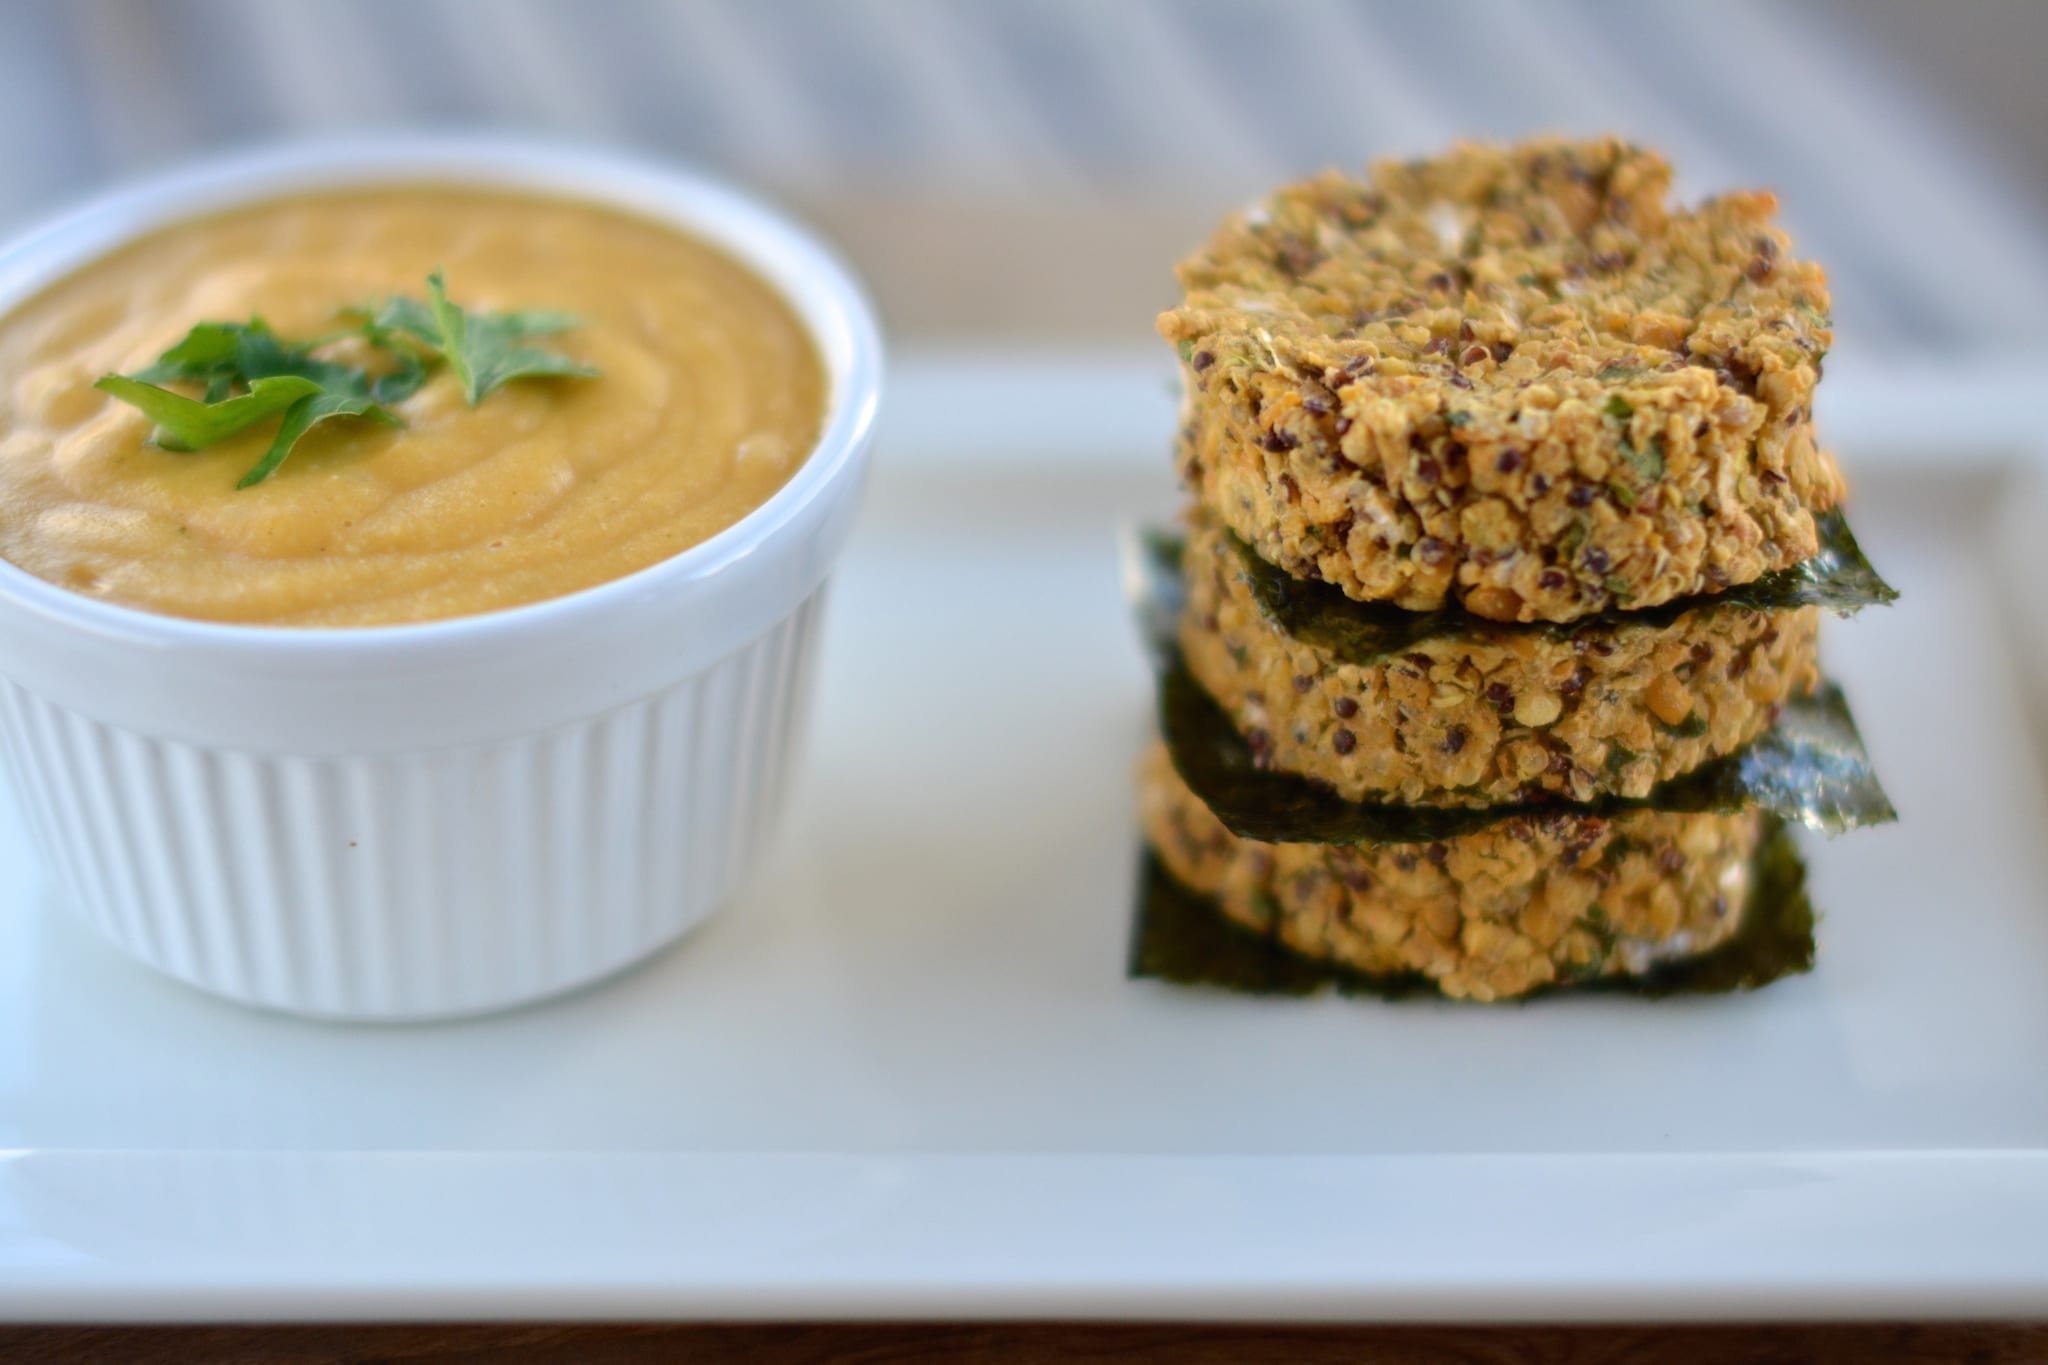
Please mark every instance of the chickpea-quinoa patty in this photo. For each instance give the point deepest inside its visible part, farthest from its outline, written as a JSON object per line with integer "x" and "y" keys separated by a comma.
{"x": 1514, "y": 378}
{"x": 1497, "y": 714}
{"x": 1529, "y": 902}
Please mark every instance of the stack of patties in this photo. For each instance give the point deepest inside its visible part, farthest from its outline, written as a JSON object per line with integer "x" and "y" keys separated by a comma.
{"x": 1493, "y": 655}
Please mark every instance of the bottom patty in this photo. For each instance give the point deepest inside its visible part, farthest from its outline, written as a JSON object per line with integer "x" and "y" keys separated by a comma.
{"x": 1533, "y": 900}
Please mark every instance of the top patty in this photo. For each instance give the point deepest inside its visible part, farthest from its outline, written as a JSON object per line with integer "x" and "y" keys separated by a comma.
{"x": 1515, "y": 378}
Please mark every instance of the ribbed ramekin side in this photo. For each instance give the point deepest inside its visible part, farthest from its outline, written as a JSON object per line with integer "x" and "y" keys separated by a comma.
{"x": 439, "y": 883}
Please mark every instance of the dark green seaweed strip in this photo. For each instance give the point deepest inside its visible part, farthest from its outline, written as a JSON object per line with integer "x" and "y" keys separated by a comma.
{"x": 1276, "y": 807}
{"x": 1775, "y": 938}
{"x": 1838, "y": 578}
{"x": 1809, "y": 768}
{"x": 1181, "y": 937}
{"x": 1154, "y": 587}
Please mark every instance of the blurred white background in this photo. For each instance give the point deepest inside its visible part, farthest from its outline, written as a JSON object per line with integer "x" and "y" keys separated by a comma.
{"x": 1026, "y": 170}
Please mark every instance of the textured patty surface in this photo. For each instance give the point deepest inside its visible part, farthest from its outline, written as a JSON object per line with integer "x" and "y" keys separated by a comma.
{"x": 1515, "y": 378}
{"x": 1523, "y": 904}
{"x": 1499, "y": 714}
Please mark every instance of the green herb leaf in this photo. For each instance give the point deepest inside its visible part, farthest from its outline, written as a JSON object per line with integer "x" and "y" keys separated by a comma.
{"x": 400, "y": 324}
{"x": 259, "y": 354}
{"x": 404, "y": 329}
{"x": 239, "y": 353}
{"x": 484, "y": 349}
{"x": 302, "y": 417}
{"x": 1838, "y": 578}
{"x": 401, "y": 383}
{"x": 207, "y": 353}
{"x": 191, "y": 424}
{"x": 249, "y": 373}
{"x": 1619, "y": 408}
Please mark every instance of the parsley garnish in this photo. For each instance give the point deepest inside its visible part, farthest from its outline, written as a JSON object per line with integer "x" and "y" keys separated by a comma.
{"x": 248, "y": 374}
{"x": 485, "y": 350}
{"x": 301, "y": 418}
{"x": 191, "y": 424}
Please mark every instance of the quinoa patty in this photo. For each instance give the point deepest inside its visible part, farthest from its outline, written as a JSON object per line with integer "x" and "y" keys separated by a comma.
{"x": 1530, "y": 901}
{"x": 1511, "y": 377}
{"x": 1497, "y": 714}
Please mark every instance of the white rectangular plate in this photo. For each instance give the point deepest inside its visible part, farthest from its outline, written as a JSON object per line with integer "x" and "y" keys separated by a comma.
{"x": 907, "y": 1075}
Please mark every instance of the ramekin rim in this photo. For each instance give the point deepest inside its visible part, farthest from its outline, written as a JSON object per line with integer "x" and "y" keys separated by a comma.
{"x": 35, "y": 257}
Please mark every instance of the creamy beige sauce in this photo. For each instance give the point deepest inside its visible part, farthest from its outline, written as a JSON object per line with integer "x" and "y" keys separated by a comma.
{"x": 711, "y": 396}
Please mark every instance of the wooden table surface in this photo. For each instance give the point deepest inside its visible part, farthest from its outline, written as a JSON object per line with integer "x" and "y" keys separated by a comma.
{"x": 875, "y": 1344}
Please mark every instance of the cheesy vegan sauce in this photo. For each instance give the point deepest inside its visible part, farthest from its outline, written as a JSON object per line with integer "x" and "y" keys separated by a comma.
{"x": 710, "y": 396}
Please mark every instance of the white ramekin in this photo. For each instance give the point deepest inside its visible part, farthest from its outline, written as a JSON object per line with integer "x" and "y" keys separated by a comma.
{"x": 433, "y": 820}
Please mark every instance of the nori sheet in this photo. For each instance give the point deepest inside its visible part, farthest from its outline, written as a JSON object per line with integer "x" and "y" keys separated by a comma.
{"x": 1838, "y": 578}
{"x": 1181, "y": 937}
{"x": 1810, "y": 767}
